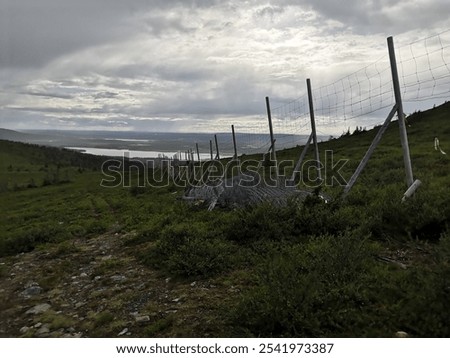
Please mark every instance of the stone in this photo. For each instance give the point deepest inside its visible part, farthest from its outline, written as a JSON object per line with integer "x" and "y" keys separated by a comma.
{"x": 118, "y": 278}
{"x": 123, "y": 332}
{"x": 43, "y": 307}
{"x": 83, "y": 274}
{"x": 142, "y": 319}
{"x": 401, "y": 334}
{"x": 43, "y": 330}
{"x": 24, "y": 329}
{"x": 31, "y": 291}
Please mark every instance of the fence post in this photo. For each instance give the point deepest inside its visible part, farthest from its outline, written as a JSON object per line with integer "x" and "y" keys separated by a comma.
{"x": 234, "y": 142}
{"x": 369, "y": 152}
{"x": 313, "y": 128}
{"x": 300, "y": 160}
{"x": 211, "y": 149}
{"x": 401, "y": 115}
{"x": 272, "y": 140}
{"x": 217, "y": 147}
{"x": 198, "y": 153}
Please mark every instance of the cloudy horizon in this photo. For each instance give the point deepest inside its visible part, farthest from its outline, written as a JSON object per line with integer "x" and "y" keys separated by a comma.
{"x": 199, "y": 65}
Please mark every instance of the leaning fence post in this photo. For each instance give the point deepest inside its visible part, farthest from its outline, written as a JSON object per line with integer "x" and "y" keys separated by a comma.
{"x": 198, "y": 152}
{"x": 211, "y": 149}
{"x": 234, "y": 142}
{"x": 401, "y": 115}
{"x": 370, "y": 151}
{"x": 272, "y": 140}
{"x": 217, "y": 147}
{"x": 313, "y": 128}
{"x": 300, "y": 159}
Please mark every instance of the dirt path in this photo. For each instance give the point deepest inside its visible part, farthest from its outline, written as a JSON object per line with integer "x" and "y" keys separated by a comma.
{"x": 96, "y": 288}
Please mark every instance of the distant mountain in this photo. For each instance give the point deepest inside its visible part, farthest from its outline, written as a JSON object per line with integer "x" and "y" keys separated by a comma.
{"x": 8, "y": 134}
{"x": 41, "y": 138}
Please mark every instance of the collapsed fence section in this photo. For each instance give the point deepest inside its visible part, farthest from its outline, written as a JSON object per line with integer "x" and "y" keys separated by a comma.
{"x": 372, "y": 95}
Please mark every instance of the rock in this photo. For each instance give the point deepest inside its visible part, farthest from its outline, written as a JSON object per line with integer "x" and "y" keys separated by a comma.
{"x": 123, "y": 332}
{"x": 142, "y": 319}
{"x": 32, "y": 289}
{"x": 83, "y": 274}
{"x": 38, "y": 325}
{"x": 96, "y": 278}
{"x": 118, "y": 278}
{"x": 43, "y": 330}
{"x": 43, "y": 307}
{"x": 24, "y": 329}
{"x": 401, "y": 334}
{"x": 193, "y": 283}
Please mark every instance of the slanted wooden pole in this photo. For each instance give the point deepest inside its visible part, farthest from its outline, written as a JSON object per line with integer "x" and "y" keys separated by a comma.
{"x": 272, "y": 139}
{"x": 211, "y": 149}
{"x": 401, "y": 115}
{"x": 217, "y": 147}
{"x": 313, "y": 129}
{"x": 198, "y": 152}
{"x": 234, "y": 142}
{"x": 369, "y": 152}
{"x": 300, "y": 160}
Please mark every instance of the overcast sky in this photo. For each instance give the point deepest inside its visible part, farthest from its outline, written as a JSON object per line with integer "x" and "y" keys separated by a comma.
{"x": 193, "y": 65}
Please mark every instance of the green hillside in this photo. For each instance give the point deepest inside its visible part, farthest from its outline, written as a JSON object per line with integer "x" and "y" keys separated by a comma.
{"x": 106, "y": 258}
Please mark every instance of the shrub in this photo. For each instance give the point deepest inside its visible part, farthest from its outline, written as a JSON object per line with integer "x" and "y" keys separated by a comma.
{"x": 314, "y": 289}
{"x": 27, "y": 240}
{"x": 423, "y": 311}
{"x": 190, "y": 249}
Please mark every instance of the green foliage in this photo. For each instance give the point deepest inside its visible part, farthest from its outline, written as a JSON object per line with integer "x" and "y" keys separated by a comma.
{"x": 190, "y": 250}
{"x": 295, "y": 222}
{"x": 313, "y": 289}
{"x": 103, "y": 319}
{"x": 28, "y": 239}
{"x": 423, "y": 310}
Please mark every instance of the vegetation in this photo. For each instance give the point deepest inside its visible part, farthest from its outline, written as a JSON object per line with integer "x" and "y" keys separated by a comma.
{"x": 364, "y": 266}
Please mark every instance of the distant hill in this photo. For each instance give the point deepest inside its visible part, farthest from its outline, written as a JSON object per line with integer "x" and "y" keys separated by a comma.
{"x": 15, "y": 151}
{"x": 8, "y": 134}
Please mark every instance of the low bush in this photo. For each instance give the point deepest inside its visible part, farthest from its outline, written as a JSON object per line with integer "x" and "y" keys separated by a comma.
{"x": 190, "y": 250}
{"x": 314, "y": 289}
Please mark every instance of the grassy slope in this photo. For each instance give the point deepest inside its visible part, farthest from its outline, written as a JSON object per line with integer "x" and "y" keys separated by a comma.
{"x": 312, "y": 269}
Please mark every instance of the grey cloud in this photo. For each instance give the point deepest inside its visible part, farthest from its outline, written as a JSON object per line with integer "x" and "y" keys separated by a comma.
{"x": 269, "y": 11}
{"x": 381, "y": 16}
{"x": 33, "y": 33}
{"x": 157, "y": 25}
{"x": 103, "y": 95}
{"x": 47, "y": 95}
